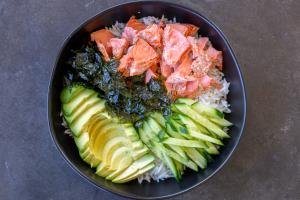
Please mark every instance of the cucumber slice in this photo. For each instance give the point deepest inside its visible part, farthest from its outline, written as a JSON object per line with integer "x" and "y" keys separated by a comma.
{"x": 186, "y": 101}
{"x": 177, "y": 157}
{"x": 172, "y": 166}
{"x": 221, "y": 122}
{"x": 156, "y": 148}
{"x": 187, "y": 121}
{"x": 180, "y": 129}
{"x": 184, "y": 143}
{"x": 173, "y": 133}
{"x": 159, "y": 118}
{"x": 207, "y": 110}
{"x": 179, "y": 166}
{"x": 153, "y": 125}
{"x": 149, "y": 133}
{"x": 177, "y": 149}
{"x": 198, "y": 118}
{"x": 207, "y": 156}
{"x": 201, "y": 136}
{"x": 196, "y": 157}
{"x": 192, "y": 125}
{"x": 211, "y": 148}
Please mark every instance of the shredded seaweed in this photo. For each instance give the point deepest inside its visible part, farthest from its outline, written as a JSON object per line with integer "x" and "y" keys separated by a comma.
{"x": 128, "y": 98}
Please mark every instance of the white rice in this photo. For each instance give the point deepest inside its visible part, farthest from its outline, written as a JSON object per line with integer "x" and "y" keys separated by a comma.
{"x": 212, "y": 97}
{"x": 65, "y": 125}
{"x": 158, "y": 173}
{"x": 154, "y": 20}
{"x": 118, "y": 27}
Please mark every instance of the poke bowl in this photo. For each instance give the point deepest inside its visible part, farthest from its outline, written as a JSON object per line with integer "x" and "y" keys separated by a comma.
{"x": 146, "y": 100}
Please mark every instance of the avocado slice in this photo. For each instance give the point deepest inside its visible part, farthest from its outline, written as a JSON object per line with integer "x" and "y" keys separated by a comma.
{"x": 103, "y": 135}
{"x": 112, "y": 158}
{"x": 91, "y": 160}
{"x": 134, "y": 167}
{"x": 82, "y": 141}
{"x": 69, "y": 92}
{"x": 78, "y": 123}
{"x": 94, "y": 162}
{"x": 138, "y": 173}
{"x": 89, "y": 101}
{"x": 137, "y": 145}
{"x": 112, "y": 145}
{"x": 130, "y": 132}
{"x": 136, "y": 154}
{"x": 84, "y": 153}
{"x": 123, "y": 164}
{"x": 95, "y": 130}
{"x": 103, "y": 170}
{"x": 88, "y": 158}
{"x": 68, "y": 108}
{"x": 107, "y": 168}
{"x": 104, "y": 141}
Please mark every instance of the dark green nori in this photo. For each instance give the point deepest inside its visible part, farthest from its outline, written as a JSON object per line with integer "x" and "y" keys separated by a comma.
{"x": 129, "y": 98}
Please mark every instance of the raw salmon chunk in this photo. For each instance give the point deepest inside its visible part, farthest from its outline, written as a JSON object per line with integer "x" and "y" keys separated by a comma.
{"x": 171, "y": 50}
{"x": 119, "y": 46}
{"x": 102, "y": 38}
{"x": 215, "y": 56}
{"x": 144, "y": 56}
{"x": 135, "y": 24}
{"x": 131, "y": 30}
{"x": 201, "y": 65}
{"x": 206, "y": 82}
{"x": 153, "y": 35}
{"x": 192, "y": 89}
{"x": 198, "y": 45}
{"x": 185, "y": 67}
{"x": 125, "y": 63}
{"x": 179, "y": 86}
{"x": 175, "y": 82}
{"x": 185, "y": 29}
{"x": 130, "y": 35}
{"x": 165, "y": 69}
{"x": 149, "y": 75}
{"x": 175, "y": 45}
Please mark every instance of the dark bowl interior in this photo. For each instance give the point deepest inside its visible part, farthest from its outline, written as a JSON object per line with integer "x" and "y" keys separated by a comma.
{"x": 236, "y": 98}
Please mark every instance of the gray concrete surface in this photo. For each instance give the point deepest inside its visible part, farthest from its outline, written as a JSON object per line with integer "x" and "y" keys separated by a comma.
{"x": 266, "y": 38}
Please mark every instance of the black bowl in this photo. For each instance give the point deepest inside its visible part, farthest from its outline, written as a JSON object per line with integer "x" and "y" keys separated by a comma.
{"x": 236, "y": 98}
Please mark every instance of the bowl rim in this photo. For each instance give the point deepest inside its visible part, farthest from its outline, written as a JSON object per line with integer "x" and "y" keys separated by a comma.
{"x": 49, "y": 104}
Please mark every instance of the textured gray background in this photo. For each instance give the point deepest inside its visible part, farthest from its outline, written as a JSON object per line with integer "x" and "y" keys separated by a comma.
{"x": 266, "y": 38}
